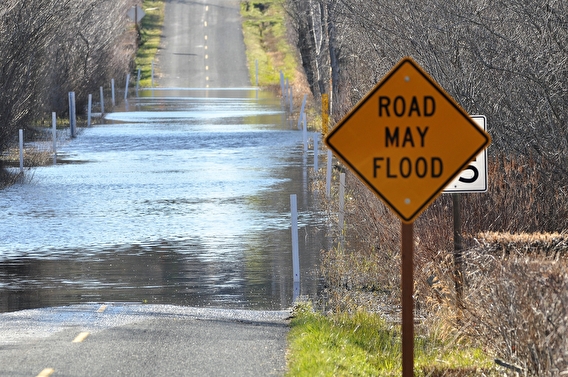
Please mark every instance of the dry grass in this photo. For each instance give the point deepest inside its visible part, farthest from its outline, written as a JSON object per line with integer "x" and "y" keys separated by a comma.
{"x": 541, "y": 244}
{"x": 39, "y": 154}
{"x": 519, "y": 306}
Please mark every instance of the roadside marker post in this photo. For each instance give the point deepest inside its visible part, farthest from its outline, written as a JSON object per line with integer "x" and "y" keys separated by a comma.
{"x": 302, "y": 110}
{"x": 126, "y": 88}
{"x": 256, "y": 70}
{"x": 304, "y": 131}
{"x": 72, "y": 115}
{"x": 316, "y": 153}
{"x": 295, "y": 246}
{"x": 21, "y": 145}
{"x": 291, "y": 97}
{"x": 407, "y": 139}
{"x": 102, "y": 97}
{"x": 328, "y": 175}
{"x": 89, "y": 109}
{"x": 138, "y": 81}
{"x": 54, "y": 135}
{"x": 282, "y": 85}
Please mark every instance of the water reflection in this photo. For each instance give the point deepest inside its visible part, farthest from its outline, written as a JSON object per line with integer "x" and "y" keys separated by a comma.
{"x": 183, "y": 201}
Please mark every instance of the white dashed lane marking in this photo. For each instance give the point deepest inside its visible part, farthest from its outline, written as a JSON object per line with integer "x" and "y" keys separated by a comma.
{"x": 46, "y": 372}
{"x": 82, "y": 336}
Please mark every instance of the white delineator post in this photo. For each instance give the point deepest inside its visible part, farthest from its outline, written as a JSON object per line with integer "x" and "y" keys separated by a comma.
{"x": 102, "y": 101}
{"x": 54, "y": 133}
{"x": 256, "y": 71}
{"x": 112, "y": 92}
{"x": 138, "y": 81}
{"x": 282, "y": 86}
{"x": 89, "y": 110}
{"x": 288, "y": 94}
{"x": 291, "y": 98}
{"x": 305, "y": 133}
{"x": 126, "y": 89}
{"x": 72, "y": 114}
{"x": 341, "y": 202}
{"x": 316, "y": 147}
{"x": 21, "y": 139}
{"x": 295, "y": 247}
{"x": 302, "y": 110}
{"x": 328, "y": 175}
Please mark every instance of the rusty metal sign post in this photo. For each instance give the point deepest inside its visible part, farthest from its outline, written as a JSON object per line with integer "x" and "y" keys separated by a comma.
{"x": 407, "y": 238}
{"x": 407, "y": 139}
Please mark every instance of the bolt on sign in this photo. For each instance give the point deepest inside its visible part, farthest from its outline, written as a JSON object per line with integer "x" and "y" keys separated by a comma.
{"x": 407, "y": 139}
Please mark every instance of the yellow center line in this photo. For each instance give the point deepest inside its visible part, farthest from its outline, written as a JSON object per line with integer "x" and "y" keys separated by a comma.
{"x": 102, "y": 309}
{"x": 206, "y": 8}
{"x": 205, "y": 23}
{"x": 206, "y": 56}
{"x": 205, "y": 37}
{"x": 82, "y": 336}
{"x": 46, "y": 372}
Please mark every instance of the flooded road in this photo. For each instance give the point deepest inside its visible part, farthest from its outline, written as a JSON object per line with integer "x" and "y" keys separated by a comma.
{"x": 183, "y": 199}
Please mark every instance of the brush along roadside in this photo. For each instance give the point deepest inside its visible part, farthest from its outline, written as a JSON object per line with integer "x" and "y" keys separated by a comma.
{"x": 515, "y": 296}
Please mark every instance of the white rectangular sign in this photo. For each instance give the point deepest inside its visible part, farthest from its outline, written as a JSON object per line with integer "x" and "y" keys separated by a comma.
{"x": 474, "y": 177}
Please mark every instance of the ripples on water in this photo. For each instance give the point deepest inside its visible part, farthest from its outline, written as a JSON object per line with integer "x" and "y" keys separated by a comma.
{"x": 183, "y": 200}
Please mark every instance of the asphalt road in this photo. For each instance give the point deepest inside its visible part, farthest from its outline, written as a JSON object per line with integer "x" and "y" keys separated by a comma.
{"x": 202, "y": 46}
{"x": 142, "y": 340}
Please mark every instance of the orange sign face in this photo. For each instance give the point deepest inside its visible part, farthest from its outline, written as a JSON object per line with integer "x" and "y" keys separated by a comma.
{"x": 407, "y": 139}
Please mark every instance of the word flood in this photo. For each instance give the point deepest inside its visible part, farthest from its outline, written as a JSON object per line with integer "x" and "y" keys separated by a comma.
{"x": 422, "y": 167}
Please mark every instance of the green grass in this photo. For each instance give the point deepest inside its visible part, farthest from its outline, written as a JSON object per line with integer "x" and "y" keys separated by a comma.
{"x": 264, "y": 30}
{"x": 150, "y": 35}
{"x": 364, "y": 344}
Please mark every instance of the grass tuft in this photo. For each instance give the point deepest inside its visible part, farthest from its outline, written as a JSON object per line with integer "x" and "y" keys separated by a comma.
{"x": 364, "y": 344}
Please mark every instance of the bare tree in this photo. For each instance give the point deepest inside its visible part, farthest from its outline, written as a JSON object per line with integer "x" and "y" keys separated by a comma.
{"x": 506, "y": 60}
{"x": 50, "y": 47}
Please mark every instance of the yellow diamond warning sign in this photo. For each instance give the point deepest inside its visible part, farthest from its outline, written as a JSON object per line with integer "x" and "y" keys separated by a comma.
{"x": 407, "y": 139}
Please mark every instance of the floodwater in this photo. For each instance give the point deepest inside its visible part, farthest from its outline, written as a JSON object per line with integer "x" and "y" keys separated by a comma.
{"x": 182, "y": 198}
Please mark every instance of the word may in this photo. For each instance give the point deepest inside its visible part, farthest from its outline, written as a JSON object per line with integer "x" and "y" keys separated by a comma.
{"x": 392, "y": 137}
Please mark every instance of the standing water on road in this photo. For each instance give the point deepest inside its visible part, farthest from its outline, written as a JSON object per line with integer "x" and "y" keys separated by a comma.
{"x": 183, "y": 200}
